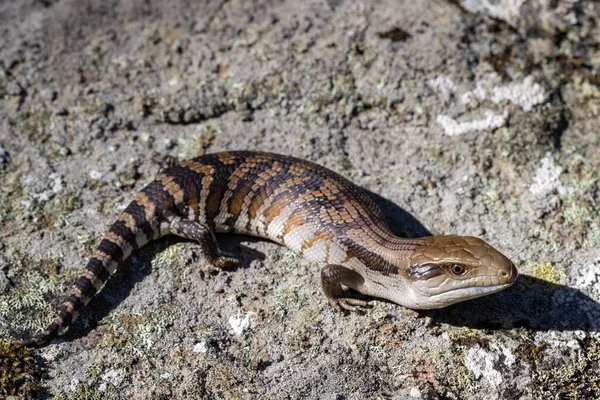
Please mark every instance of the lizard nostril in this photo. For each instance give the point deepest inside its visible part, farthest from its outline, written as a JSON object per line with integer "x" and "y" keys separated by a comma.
{"x": 504, "y": 274}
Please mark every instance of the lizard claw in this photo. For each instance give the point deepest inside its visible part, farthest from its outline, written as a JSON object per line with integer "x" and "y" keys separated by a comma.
{"x": 349, "y": 304}
{"x": 227, "y": 262}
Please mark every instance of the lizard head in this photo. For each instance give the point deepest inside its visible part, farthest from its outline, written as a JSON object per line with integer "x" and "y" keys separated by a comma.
{"x": 450, "y": 269}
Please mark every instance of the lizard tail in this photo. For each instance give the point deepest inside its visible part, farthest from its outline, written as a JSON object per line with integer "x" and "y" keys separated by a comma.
{"x": 135, "y": 227}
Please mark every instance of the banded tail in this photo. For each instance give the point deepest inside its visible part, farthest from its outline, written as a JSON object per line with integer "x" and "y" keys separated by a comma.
{"x": 135, "y": 227}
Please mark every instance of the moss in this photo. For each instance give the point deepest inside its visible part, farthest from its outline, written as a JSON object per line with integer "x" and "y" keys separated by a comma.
{"x": 94, "y": 105}
{"x": 224, "y": 382}
{"x": 115, "y": 340}
{"x": 126, "y": 329}
{"x": 20, "y": 374}
{"x": 589, "y": 93}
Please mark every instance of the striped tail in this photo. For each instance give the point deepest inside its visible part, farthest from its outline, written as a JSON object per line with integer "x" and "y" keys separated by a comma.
{"x": 134, "y": 228}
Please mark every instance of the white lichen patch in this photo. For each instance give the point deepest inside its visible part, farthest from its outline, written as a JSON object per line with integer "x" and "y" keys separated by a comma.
{"x": 586, "y": 276}
{"x": 43, "y": 190}
{"x": 200, "y": 348}
{"x": 506, "y": 10}
{"x": 546, "y": 178}
{"x": 114, "y": 377}
{"x": 526, "y": 94}
{"x": 490, "y": 121}
{"x": 239, "y": 324}
{"x": 487, "y": 364}
{"x": 415, "y": 393}
{"x": 73, "y": 384}
{"x": 95, "y": 175}
{"x": 442, "y": 85}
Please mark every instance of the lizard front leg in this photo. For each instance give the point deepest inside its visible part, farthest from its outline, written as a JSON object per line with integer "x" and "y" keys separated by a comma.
{"x": 333, "y": 277}
{"x": 203, "y": 235}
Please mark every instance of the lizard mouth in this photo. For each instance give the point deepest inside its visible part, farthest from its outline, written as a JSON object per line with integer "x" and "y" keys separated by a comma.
{"x": 461, "y": 294}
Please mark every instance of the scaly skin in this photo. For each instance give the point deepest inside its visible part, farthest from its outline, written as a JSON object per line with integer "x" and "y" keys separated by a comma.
{"x": 313, "y": 211}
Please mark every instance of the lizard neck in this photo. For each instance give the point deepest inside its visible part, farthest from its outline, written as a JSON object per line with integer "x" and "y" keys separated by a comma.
{"x": 381, "y": 250}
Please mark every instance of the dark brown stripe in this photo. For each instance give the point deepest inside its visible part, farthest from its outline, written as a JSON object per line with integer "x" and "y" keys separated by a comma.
{"x": 298, "y": 190}
{"x": 184, "y": 178}
{"x": 96, "y": 267}
{"x": 239, "y": 195}
{"x": 277, "y": 172}
{"x": 251, "y": 169}
{"x": 86, "y": 287}
{"x": 112, "y": 249}
{"x": 159, "y": 197}
{"x": 372, "y": 260}
{"x": 121, "y": 229}
{"x": 66, "y": 316}
{"x": 52, "y": 329}
{"x": 138, "y": 213}
{"x": 217, "y": 160}
{"x": 196, "y": 188}
{"x": 257, "y": 201}
{"x": 215, "y": 197}
{"x": 77, "y": 302}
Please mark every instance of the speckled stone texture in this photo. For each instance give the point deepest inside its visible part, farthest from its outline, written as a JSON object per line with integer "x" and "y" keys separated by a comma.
{"x": 474, "y": 118}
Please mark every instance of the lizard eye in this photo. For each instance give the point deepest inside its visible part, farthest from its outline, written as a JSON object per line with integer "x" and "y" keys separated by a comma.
{"x": 458, "y": 269}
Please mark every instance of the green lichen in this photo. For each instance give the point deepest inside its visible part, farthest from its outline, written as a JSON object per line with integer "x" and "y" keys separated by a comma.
{"x": 95, "y": 369}
{"x": 86, "y": 392}
{"x": 36, "y": 281}
{"x": 577, "y": 222}
{"x": 20, "y": 374}
{"x": 437, "y": 156}
{"x": 196, "y": 145}
{"x": 34, "y": 123}
{"x": 10, "y": 194}
{"x": 574, "y": 380}
{"x": 55, "y": 214}
{"x": 547, "y": 273}
{"x": 461, "y": 378}
{"x": 464, "y": 336}
{"x": 588, "y": 91}
{"x": 547, "y": 276}
{"x": 301, "y": 329}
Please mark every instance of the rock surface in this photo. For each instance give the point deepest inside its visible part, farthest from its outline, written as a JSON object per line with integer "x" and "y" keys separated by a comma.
{"x": 477, "y": 118}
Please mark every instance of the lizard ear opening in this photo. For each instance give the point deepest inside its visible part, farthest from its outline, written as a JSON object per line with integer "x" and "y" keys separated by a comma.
{"x": 424, "y": 272}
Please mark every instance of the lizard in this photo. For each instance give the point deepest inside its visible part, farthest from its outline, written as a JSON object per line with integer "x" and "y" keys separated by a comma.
{"x": 315, "y": 212}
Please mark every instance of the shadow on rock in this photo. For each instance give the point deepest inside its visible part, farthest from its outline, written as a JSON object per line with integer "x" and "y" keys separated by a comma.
{"x": 400, "y": 221}
{"x": 530, "y": 303}
{"x": 119, "y": 285}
